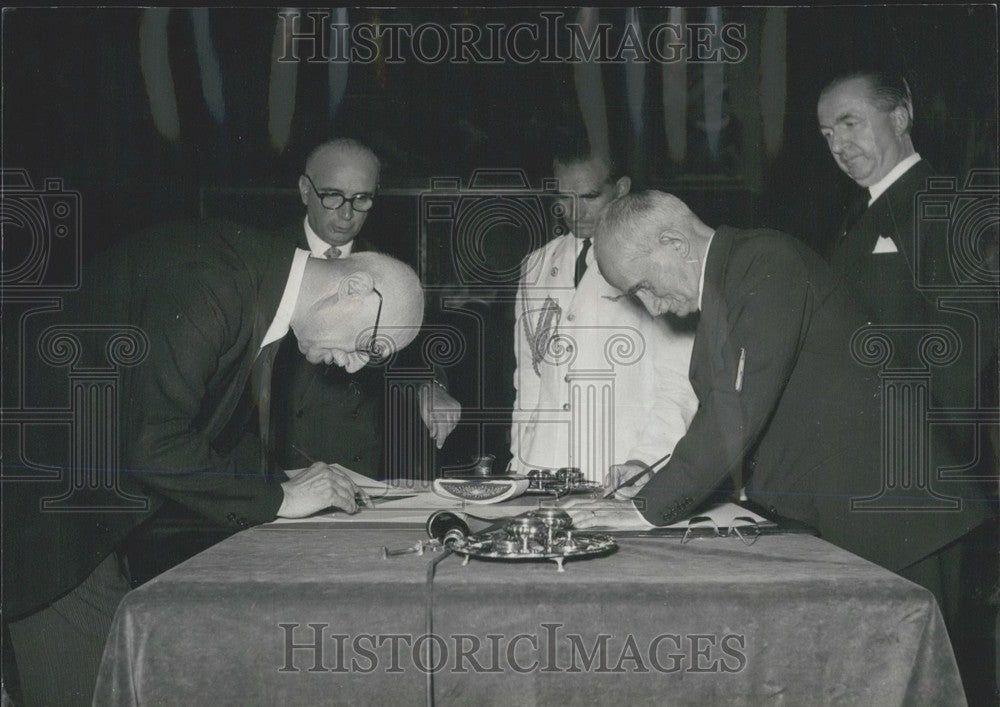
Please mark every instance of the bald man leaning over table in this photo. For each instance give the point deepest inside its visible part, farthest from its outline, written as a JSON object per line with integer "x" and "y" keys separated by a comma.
{"x": 210, "y": 301}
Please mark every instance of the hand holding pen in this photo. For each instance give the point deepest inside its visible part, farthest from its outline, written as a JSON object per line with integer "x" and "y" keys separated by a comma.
{"x": 634, "y": 478}
{"x": 361, "y": 498}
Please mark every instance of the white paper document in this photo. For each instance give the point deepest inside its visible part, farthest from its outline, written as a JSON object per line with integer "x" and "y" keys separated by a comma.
{"x": 407, "y": 501}
{"x": 412, "y": 502}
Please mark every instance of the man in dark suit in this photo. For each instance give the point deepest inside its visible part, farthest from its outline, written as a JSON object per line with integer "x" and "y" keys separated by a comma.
{"x": 900, "y": 267}
{"x": 778, "y": 384}
{"x": 338, "y": 189}
{"x": 895, "y": 264}
{"x": 207, "y": 304}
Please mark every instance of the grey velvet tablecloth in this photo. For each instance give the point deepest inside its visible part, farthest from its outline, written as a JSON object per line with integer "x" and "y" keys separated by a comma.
{"x": 307, "y": 616}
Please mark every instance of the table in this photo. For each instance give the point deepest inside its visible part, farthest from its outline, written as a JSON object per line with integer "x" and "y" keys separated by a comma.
{"x": 313, "y": 615}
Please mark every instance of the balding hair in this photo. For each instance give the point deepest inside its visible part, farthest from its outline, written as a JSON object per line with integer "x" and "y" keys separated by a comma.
{"x": 646, "y": 212}
{"x": 347, "y": 146}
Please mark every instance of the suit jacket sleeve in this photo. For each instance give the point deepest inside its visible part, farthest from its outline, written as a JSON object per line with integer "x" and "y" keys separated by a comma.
{"x": 765, "y": 306}
{"x": 191, "y": 330}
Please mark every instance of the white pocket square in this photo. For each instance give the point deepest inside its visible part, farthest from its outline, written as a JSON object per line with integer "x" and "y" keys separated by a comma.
{"x": 885, "y": 245}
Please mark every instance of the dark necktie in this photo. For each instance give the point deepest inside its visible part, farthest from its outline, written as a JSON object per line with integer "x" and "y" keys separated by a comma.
{"x": 581, "y": 262}
{"x": 855, "y": 211}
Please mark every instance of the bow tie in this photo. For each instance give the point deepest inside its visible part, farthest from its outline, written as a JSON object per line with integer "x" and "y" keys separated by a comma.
{"x": 332, "y": 253}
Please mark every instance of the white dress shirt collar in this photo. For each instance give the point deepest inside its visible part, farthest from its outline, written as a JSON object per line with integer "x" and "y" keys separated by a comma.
{"x": 878, "y": 188}
{"x": 318, "y": 247}
{"x": 704, "y": 264}
{"x": 286, "y": 307}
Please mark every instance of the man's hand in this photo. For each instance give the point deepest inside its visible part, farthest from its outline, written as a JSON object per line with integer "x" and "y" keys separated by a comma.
{"x": 292, "y": 473}
{"x": 439, "y": 411}
{"x": 620, "y": 515}
{"x": 620, "y": 473}
{"x": 316, "y": 488}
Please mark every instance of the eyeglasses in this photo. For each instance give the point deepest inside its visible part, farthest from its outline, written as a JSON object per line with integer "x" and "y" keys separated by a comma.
{"x": 742, "y": 527}
{"x": 333, "y": 200}
{"x": 374, "y": 348}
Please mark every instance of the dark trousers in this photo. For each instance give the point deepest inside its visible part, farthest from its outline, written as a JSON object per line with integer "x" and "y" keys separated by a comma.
{"x": 58, "y": 649}
{"x": 962, "y": 576}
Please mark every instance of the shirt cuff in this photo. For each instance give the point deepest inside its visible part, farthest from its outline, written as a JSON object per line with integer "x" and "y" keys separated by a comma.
{"x": 642, "y": 519}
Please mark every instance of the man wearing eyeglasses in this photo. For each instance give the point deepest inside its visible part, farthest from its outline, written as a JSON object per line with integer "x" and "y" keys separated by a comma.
{"x": 339, "y": 188}
{"x": 206, "y": 304}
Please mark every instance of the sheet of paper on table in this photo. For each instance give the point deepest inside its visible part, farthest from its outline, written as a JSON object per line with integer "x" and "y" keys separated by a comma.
{"x": 400, "y": 503}
{"x": 409, "y": 502}
{"x": 724, "y": 514}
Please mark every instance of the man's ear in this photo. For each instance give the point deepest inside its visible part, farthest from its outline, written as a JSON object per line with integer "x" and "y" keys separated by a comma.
{"x": 357, "y": 284}
{"x": 622, "y": 186}
{"x": 900, "y": 118}
{"x": 304, "y": 189}
{"x": 673, "y": 238}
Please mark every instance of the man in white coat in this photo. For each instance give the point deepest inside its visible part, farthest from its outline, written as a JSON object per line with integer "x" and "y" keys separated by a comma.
{"x": 599, "y": 382}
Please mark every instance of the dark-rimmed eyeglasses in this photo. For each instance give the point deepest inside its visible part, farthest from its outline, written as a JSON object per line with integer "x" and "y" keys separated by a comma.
{"x": 374, "y": 348}
{"x": 333, "y": 200}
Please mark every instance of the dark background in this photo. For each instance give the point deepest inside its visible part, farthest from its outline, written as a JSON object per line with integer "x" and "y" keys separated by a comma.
{"x": 75, "y": 107}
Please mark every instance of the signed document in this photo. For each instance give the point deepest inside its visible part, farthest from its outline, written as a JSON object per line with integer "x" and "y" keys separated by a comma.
{"x": 405, "y": 502}
{"x": 612, "y": 515}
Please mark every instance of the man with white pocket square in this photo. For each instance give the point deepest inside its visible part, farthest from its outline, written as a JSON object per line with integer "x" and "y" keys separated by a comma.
{"x": 866, "y": 119}
{"x": 896, "y": 263}
{"x": 900, "y": 267}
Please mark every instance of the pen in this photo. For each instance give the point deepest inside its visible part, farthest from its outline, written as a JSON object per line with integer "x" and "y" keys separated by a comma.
{"x": 360, "y": 497}
{"x": 632, "y": 481}
{"x": 739, "y": 369}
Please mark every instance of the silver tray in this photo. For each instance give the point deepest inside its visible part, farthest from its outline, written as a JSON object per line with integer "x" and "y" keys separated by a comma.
{"x": 499, "y": 545}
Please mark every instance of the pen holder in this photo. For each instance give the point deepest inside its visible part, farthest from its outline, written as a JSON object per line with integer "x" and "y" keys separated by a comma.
{"x": 482, "y": 490}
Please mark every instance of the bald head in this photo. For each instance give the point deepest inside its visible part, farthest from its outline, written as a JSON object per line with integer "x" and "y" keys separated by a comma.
{"x": 651, "y": 245}
{"x": 339, "y": 304}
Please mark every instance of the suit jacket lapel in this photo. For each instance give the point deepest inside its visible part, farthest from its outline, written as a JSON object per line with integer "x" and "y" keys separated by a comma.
{"x": 860, "y": 239}
{"x": 272, "y": 265}
{"x": 261, "y": 382}
{"x": 892, "y": 208}
{"x": 713, "y": 311}
{"x": 897, "y": 214}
